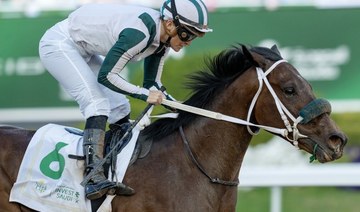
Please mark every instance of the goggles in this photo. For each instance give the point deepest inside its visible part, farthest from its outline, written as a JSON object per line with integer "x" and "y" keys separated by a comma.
{"x": 185, "y": 33}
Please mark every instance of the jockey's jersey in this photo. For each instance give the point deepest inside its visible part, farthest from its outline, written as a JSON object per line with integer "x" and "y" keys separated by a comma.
{"x": 121, "y": 34}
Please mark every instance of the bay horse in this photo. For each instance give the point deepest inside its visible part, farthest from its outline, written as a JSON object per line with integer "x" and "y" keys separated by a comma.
{"x": 195, "y": 161}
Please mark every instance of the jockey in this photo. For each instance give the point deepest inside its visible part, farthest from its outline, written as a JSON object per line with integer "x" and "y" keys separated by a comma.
{"x": 87, "y": 51}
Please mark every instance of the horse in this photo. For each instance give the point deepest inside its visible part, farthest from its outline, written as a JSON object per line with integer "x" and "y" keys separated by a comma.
{"x": 195, "y": 160}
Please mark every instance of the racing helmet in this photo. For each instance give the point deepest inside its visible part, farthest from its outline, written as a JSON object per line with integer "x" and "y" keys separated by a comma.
{"x": 192, "y": 13}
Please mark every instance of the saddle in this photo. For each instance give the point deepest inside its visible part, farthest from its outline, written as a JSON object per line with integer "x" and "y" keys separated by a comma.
{"x": 142, "y": 147}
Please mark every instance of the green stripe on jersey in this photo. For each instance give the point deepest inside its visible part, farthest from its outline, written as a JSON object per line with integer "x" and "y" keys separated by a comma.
{"x": 150, "y": 25}
{"x": 151, "y": 66}
{"x": 128, "y": 38}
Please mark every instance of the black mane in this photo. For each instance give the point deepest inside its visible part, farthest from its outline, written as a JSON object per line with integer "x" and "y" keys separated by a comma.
{"x": 206, "y": 84}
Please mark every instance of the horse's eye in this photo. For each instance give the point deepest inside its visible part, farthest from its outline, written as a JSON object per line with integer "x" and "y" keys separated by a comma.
{"x": 289, "y": 91}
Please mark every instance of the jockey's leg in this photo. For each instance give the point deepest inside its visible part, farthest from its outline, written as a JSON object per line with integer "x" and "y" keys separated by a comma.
{"x": 93, "y": 144}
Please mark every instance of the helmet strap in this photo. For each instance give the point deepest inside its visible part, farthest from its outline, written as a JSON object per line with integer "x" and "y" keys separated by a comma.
{"x": 175, "y": 14}
{"x": 167, "y": 43}
{"x": 168, "y": 32}
{"x": 184, "y": 34}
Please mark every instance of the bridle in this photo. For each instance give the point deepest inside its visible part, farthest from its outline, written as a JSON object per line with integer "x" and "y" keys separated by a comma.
{"x": 283, "y": 111}
{"x": 306, "y": 114}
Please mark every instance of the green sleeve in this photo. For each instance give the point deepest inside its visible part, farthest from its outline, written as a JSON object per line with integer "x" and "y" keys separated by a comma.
{"x": 118, "y": 55}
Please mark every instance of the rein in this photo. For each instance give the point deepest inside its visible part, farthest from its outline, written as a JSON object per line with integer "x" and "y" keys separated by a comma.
{"x": 213, "y": 180}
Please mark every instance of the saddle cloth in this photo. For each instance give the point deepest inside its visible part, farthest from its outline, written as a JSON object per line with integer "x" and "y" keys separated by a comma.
{"x": 48, "y": 180}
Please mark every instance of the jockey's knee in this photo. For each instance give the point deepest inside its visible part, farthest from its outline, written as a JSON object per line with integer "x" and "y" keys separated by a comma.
{"x": 100, "y": 107}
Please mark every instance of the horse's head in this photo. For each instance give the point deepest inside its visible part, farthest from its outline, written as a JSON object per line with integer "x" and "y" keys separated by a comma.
{"x": 259, "y": 83}
{"x": 294, "y": 106}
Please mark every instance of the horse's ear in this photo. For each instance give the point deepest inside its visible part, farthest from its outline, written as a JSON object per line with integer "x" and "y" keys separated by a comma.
{"x": 249, "y": 56}
{"x": 275, "y": 49}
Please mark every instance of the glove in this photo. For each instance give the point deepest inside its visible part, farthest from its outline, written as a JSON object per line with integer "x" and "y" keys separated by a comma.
{"x": 168, "y": 97}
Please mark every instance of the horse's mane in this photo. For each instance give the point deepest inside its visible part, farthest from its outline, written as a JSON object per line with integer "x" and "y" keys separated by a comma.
{"x": 218, "y": 73}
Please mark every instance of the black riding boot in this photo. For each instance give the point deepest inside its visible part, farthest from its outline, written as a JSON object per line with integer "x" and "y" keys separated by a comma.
{"x": 93, "y": 145}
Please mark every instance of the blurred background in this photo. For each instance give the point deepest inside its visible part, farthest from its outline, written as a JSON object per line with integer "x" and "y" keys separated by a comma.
{"x": 319, "y": 37}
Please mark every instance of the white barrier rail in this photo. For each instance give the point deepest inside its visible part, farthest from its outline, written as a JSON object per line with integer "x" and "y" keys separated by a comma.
{"x": 48, "y": 114}
{"x": 276, "y": 177}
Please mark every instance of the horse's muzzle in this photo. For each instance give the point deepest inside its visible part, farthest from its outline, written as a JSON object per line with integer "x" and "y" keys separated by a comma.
{"x": 333, "y": 150}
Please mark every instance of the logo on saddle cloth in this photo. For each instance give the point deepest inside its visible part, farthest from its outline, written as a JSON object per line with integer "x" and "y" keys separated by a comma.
{"x": 53, "y": 157}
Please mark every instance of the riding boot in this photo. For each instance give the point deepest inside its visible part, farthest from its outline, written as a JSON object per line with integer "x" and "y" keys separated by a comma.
{"x": 93, "y": 144}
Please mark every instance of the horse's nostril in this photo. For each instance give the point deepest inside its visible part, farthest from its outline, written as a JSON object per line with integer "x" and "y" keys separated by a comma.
{"x": 337, "y": 149}
{"x": 337, "y": 142}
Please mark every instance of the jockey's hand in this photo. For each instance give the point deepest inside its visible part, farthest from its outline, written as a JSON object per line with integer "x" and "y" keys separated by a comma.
{"x": 155, "y": 97}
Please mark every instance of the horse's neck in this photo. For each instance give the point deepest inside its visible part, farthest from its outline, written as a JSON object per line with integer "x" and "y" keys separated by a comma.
{"x": 222, "y": 144}
{"x": 220, "y": 147}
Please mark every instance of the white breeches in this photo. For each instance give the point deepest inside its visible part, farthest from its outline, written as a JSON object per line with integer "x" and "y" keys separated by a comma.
{"x": 77, "y": 71}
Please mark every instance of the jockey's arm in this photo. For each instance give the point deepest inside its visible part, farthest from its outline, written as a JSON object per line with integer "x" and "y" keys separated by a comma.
{"x": 130, "y": 43}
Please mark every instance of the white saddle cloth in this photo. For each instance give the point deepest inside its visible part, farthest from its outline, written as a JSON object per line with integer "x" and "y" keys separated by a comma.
{"x": 49, "y": 180}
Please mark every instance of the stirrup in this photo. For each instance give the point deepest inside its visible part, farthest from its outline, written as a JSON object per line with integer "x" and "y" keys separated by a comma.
{"x": 96, "y": 190}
